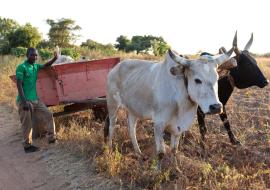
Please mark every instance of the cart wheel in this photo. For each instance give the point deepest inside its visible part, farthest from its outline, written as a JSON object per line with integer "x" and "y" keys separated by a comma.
{"x": 100, "y": 113}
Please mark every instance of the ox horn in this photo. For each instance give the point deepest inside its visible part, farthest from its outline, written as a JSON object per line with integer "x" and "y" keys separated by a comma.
{"x": 236, "y": 50}
{"x": 178, "y": 59}
{"x": 221, "y": 58}
{"x": 222, "y": 50}
{"x": 249, "y": 43}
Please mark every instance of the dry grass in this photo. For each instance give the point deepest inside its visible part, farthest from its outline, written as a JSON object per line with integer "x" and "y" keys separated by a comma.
{"x": 220, "y": 166}
{"x": 7, "y": 67}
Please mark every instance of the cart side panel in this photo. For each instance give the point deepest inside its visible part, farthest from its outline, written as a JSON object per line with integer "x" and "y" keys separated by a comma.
{"x": 46, "y": 87}
{"x": 85, "y": 80}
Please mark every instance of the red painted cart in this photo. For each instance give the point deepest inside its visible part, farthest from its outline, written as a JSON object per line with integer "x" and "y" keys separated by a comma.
{"x": 78, "y": 85}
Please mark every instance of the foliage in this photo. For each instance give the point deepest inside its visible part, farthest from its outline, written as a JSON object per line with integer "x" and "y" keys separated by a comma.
{"x": 123, "y": 44}
{"x": 25, "y": 36}
{"x": 45, "y": 54}
{"x": 44, "y": 44}
{"x": 142, "y": 44}
{"x": 266, "y": 55}
{"x": 7, "y": 26}
{"x": 93, "y": 45}
{"x": 159, "y": 47}
{"x": 18, "y": 51}
{"x": 62, "y": 31}
{"x": 70, "y": 52}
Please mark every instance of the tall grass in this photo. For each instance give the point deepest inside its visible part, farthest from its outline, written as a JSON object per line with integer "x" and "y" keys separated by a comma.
{"x": 8, "y": 90}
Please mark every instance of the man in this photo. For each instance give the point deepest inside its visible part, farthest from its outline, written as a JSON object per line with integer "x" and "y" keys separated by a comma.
{"x": 29, "y": 105}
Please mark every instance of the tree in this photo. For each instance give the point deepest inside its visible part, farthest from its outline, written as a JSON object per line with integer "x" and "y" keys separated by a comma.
{"x": 93, "y": 45}
{"x": 7, "y": 26}
{"x": 62, "y": 31}
{"x": 123, "y": 44}
{"x": 159, "y": 47}
{"x": 25, "y": 36}
{"x": 139, "y": 44}
{"x": 143, "y": 44}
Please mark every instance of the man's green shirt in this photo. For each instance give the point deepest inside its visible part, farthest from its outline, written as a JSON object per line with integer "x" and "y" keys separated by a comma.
{"x": 28, "y": 74}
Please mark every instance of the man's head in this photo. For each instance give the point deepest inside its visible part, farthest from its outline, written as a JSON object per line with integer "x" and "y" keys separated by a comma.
{"x": 31, "y": 55}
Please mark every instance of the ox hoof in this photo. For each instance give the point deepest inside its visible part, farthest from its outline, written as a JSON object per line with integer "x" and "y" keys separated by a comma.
{"x": 236, "y": 142}
{"x": 160, "y": 155}
{"x": 144, "y": 158}
{"x": 138, "y": 155}
{"x": 202, "y": 144}
{"x": 177, "y": 169}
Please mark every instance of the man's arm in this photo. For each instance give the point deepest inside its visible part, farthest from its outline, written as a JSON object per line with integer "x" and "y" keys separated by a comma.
{"x": 21, "y": 94}
{"x": 49, "y": 63}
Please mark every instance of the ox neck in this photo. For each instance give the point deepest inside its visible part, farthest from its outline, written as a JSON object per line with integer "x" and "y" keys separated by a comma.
{"x": 231, "y": 80}
{"x": 225, "y": 88}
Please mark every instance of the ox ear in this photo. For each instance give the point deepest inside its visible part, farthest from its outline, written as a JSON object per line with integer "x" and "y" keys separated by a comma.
{"x": 178, "y": 59}
{"x": 228, "y": 64}
{"x": 177, "y": 70}
{"x": 249, "y": 43}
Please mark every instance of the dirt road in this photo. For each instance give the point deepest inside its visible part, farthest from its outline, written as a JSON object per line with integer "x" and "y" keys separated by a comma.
{"x": 49, "y": 169}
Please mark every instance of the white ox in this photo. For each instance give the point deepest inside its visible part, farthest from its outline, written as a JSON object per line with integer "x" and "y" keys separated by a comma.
{"x": 62, "y": 58}
{"x": 167, "y": 92}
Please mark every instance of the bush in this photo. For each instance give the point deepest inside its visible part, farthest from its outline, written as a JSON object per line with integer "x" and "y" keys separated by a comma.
{"x": 70, "y": 52}
{"x": 45, "y": 54}
{"x": 18, "y": 51}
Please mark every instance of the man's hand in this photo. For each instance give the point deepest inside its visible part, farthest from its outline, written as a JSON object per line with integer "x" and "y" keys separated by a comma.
{"x": 49, "y": 63}
{"x": 56, "y": 55}
{"x": 26, "y": 106}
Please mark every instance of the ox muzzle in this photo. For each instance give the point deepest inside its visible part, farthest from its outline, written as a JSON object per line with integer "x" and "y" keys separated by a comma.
{"x": 215, "y": 109}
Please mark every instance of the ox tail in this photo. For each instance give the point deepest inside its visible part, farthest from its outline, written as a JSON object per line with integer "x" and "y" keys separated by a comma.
{"x": 106, "y": 129}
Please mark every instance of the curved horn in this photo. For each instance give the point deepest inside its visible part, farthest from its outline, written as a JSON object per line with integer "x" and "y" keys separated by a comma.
{"x": 249, "y": 43}
{"x": 178, "y": 59}
{"x": 236, "y": 50}
{"x": 221, "y": 59}
{"x": 222, "y": 50}
{"x": 229, "y": 53}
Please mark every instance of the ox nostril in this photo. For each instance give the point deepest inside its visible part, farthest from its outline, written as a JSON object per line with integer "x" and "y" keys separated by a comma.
{"x": 215, "y": 108}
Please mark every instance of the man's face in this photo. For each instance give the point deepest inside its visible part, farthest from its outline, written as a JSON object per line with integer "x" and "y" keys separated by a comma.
{"x": 32, "y": 56}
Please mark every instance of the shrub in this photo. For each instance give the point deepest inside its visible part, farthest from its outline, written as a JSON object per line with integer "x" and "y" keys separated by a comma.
{"x": 45, "y": 54}
{"x": 18, "y": 51}
{"x": 70, "y": 52}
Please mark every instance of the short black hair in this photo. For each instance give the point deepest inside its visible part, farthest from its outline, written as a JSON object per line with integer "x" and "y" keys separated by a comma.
{"x": 30, "y": 49}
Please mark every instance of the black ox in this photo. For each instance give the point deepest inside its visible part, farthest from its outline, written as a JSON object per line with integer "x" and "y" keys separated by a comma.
{"x": 244, "y": 75}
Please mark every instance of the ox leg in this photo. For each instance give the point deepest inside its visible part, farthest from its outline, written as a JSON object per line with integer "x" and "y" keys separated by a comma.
{"x": 132, "y": 123}
{"x": 174, "y": 148}
{"x": 160, "y": 146}
{"x": 111, "y": 129}
{"x": 112, "y": 109}
{"x": 203, "y": 130}
{"x": 226, "y": 124}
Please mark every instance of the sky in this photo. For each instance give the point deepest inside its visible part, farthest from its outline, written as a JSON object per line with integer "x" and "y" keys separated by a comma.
{"x": 188, "y": 26}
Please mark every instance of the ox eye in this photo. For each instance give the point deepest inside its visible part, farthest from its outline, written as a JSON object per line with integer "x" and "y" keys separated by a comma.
{"x": 198, "y": 81}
